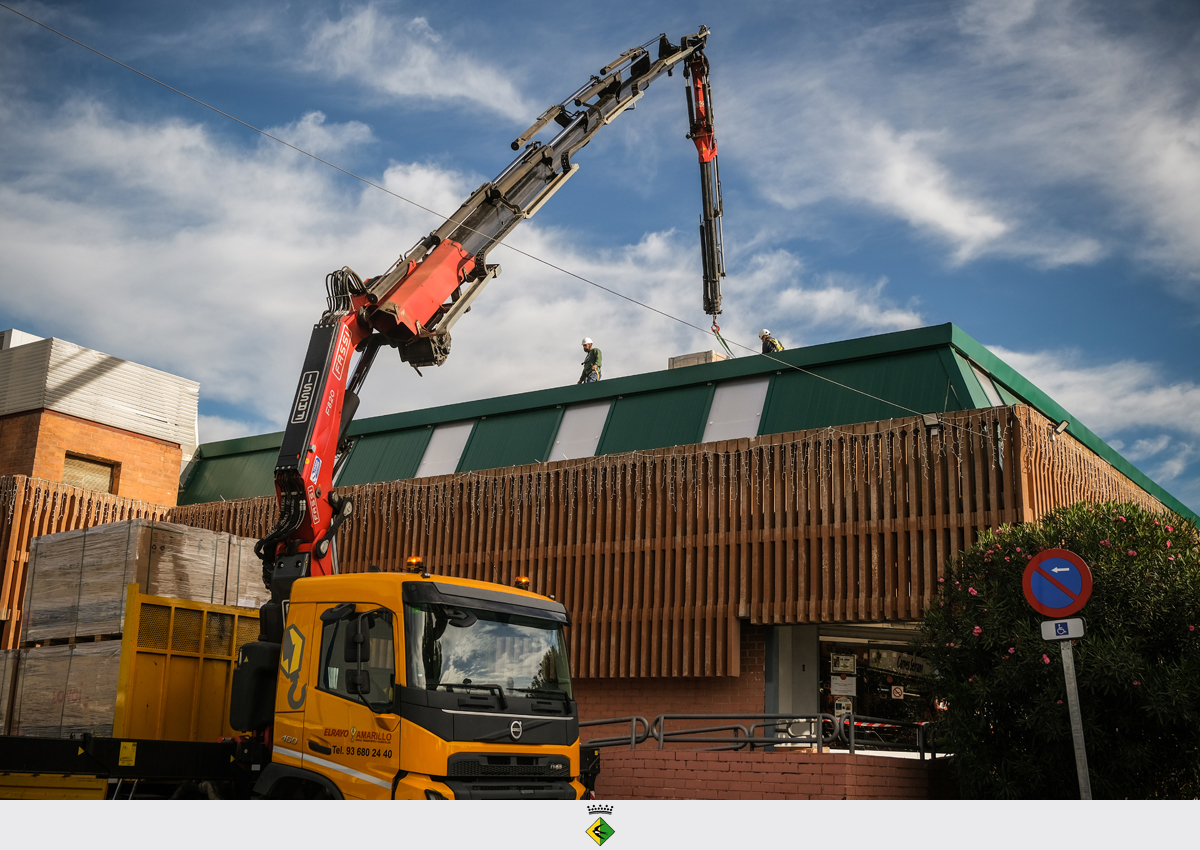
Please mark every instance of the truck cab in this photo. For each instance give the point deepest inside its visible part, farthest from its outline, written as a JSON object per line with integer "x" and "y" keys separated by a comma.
{"x": 412, "y": 686}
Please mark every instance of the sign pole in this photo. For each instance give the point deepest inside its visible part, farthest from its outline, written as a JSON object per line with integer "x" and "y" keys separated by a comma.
{"x": 1081, "y": 768}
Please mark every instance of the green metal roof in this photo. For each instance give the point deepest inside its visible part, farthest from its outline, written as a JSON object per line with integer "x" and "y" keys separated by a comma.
{"x": 926, "y": 370}
{"x": 655, "y": 420}
{"x": 385, "y": 456}
{"x": 889, "y": 386}
{"x": 510, "y": 439}
{"x": 244, "y": 475}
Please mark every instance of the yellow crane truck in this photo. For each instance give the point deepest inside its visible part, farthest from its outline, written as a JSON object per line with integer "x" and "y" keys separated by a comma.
{"x": 386, "y": 686}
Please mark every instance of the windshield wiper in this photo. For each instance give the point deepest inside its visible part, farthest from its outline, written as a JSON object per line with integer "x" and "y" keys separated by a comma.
{"x": 550, "y": 692}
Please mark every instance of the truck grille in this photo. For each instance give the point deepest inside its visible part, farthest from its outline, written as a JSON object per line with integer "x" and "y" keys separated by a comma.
{"x": 479, "y": 765}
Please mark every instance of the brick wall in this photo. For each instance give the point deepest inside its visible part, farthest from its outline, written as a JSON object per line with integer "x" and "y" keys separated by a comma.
{"x": 37, "y": 443}
{"x": 18, "y": 442}
{"x": 790, "y": 775}
{"x": 649, "y": 697}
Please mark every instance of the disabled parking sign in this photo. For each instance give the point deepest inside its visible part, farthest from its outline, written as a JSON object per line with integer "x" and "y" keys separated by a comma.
{"x": 1057, "y": 583}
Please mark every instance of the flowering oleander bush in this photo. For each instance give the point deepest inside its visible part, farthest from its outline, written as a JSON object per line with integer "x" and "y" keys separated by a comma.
{"x": 1138, "y": 667}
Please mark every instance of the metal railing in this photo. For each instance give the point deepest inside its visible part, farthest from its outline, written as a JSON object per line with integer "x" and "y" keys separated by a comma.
{"x": 632, "y": 739}
{"x": 768, "y": 731}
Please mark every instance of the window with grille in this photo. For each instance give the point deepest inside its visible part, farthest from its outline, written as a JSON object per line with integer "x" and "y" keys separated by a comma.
{"x": 88, "y": 474}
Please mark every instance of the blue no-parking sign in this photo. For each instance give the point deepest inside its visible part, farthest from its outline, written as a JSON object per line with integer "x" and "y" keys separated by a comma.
{"x": 1057, "y": 583}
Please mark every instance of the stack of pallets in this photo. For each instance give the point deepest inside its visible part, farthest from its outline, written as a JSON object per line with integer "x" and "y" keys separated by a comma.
{"x": 64, "y": 678}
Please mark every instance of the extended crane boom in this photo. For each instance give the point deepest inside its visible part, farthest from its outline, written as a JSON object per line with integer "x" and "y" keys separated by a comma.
{"x": 414, "y": 304}
{"x": 700, "y": 113}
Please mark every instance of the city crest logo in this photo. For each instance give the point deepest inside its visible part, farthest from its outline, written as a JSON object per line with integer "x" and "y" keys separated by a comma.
{"x": 600, "y": 831}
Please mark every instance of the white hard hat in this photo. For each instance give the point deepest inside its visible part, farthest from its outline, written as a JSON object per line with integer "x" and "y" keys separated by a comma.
{"x": 764, "y": 333}
{"x": 587, "y": 341}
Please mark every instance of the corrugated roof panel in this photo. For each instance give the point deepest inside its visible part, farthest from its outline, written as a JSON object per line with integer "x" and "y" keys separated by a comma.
{"x": 511, "y": 439}
{"x": 912, "y": 381}
{"x": 23, "y": 373}
{"x": 387, "y": 456}
{"x": 656, "y": 420}
{"x": 240, "y": 476}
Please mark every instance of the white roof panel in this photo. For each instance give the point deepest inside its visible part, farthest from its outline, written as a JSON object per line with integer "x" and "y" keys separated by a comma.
{"x": 445, "y": 448}
{"x": 736, "y": 409}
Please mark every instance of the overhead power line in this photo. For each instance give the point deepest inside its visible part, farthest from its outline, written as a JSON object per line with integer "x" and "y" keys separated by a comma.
{"x": 433, "y": 212}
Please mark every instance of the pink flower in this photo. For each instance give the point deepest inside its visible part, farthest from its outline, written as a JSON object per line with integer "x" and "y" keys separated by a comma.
{"x": 1121, "y": 518}
{"x": 1136, "y": 682}
{"x": 1006, "y": 557}
{"x": 1132, "y": 553}
{"x": 1011, "y": 650}
{"x": 1059, "y": 702}
{"x": 1191, "y": 628}
{"x": 977, "y": 631}
{"x": 1156, "y": 522}
{"x": 1045, "y": 659}
{"x": 1018, "y": 548}
{"x": 941, "y": 581}
{"x": 1169, "y": 528}
{"x": 972, "y": 591}
{"x": 1170, "y": 557}
{"x": 1168, "y": 544}
{"x": 1105, "y": 543}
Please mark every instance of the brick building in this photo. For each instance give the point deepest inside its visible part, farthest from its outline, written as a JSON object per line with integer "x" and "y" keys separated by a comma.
{"x": 72, "y": 415}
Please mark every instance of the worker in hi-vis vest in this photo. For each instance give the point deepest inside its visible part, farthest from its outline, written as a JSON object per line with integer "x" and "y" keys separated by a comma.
{"x": 592, "y": 361}
{"x": 770, "y": 344}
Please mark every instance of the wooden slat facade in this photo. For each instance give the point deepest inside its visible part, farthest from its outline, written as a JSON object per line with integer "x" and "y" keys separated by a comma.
{"x": 31, "y": 507}
{"x": 660, "y": 555}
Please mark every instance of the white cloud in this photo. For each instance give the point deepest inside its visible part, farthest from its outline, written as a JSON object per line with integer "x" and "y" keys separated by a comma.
{"x": 312, "y": 134}
{"x": 1172, "y": 467}
{"x": 408, "y": 60}
{"x": 1110, "y": 398}
{"x": 216, "y": 428}
{"x": 973, "y": 129}
{"x": 1106, "y": 107}
{"x": 898, "y": 173}
{"x": 1148, "y": 447}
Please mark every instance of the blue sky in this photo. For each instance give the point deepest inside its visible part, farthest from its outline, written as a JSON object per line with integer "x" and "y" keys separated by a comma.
{"x": 1028, "y": 170}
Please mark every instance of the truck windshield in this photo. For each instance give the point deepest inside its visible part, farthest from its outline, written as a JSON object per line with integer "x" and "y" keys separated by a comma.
{"x": 448, "y": 646}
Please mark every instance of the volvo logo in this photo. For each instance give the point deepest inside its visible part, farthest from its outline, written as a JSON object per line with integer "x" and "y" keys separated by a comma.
{"x": 514, "y": 729}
